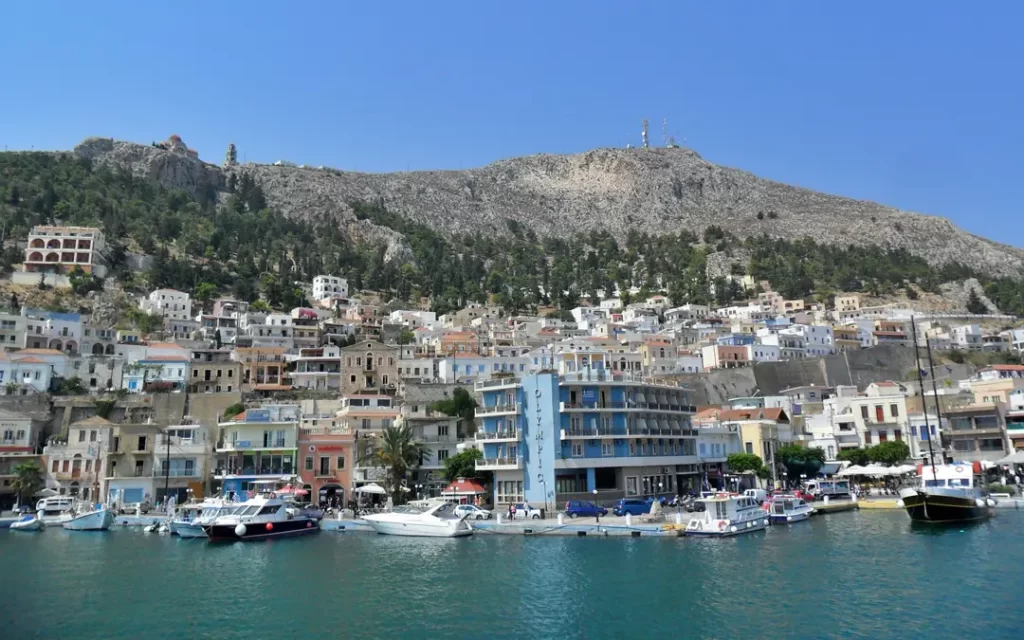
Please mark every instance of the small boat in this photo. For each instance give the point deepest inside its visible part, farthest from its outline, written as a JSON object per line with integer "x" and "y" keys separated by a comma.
{"x": 948, "y": 493}
{"x": 189, "y": 519}
{"x": 53, "y": 510}
{"x": 727, "y": 514}
{"x": 783, "y": 509}
{"x": 264, "y": 516}
{"x": 439, "y": 521}
{"x": 28, "y": 523}
{"x": 99, "y": 519}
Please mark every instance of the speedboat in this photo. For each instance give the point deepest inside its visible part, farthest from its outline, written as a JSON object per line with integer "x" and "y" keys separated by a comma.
{"x": 28, "y": 522}
{"x": 439, "y": 521}
{"x": 189, "y": 519}
{"x": 53, "y": 510}
{"x": 98, "y": 519}
{"x": 783, "y": 509}
{"x": 947, "y": 493}
{"x": 264, "y": 516}
{"x": 727, "y": 514}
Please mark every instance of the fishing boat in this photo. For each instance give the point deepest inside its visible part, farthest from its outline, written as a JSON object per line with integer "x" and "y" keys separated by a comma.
{"x": 785, "y": 509}
{"x": 98, "y": 519}
{"x": 438, "y": 521}
{"x": 727, "y": 514}
{"x": 947, "y": 493}
{"x": 264, "y": 516}
{"x": 28, "y": 522}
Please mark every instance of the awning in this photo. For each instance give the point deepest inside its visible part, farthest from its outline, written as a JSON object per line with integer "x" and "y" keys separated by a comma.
{"x": 373, "y": 488}
{"x": 1014, "y": 458}
{"x": 830, "y": 468}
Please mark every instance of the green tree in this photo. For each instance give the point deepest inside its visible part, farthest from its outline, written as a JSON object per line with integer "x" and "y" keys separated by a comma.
{"x": 260, "y": 306}
{"x": 974, "y": 303}
{"x": 396, "y": 451}
{"x": 744, "y": 462}
{"x": 28, "y": 479}
{"x": 233, "y": 410}
{"x": 462, "y": 465}
{"x": 857, "y": 457}
{"x": 461, "y": 404}
{"x": 204, "y": 292}
{"x": 889, "y": 453}
{"x": 800, "y": 460}
{"x": 406, "y": 337}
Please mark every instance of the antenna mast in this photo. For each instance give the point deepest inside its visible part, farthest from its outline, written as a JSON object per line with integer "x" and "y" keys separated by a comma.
{"x": 643, "y": 135}
{"x": 664, "y": 132}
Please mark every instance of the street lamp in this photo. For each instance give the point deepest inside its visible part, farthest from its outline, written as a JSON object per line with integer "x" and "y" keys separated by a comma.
{"x": 597, "y": 512}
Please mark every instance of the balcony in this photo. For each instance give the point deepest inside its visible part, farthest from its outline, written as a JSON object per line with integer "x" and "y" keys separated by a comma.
{"x": 497, "y": 382}
{"x": 250, "y": 445}
{"x": 592, "y": 432}
{"x": 505, "y": 435}
{"x": 499, "y": 464}
{"x": 177, "y": 473}
{"x": 625, "y": 406}
{"x": 276, "y": 472}
{"x": 500, "y": 409}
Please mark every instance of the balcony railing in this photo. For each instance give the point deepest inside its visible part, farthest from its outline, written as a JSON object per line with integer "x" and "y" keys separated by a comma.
{"x": 499, "y": 463}
{"x": 254, "y": 471}
{"x": 177, "y": 473}
{"x": 589, "y": 432}
{"x": 504, "y": 434}
{"x": 621, "y": 406}
{"x": 499, "y": 408}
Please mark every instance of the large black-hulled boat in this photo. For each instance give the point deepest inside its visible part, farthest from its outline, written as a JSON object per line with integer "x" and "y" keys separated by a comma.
{"x": 947, "y": 493}
{"x": 260, "y": 518}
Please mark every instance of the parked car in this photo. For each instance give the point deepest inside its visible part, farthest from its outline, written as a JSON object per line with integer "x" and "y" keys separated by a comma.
{"x": 523, "y": 512}
{"x": 472, "y": 512}
{"x": 131, "y": 507}
{"x": 632, "y": 506}
{"x": 578, "y": 509}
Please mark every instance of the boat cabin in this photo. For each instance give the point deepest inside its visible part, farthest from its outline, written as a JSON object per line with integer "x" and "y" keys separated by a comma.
{"x": 55, "y": 505}
{"x": 956, "y": 476}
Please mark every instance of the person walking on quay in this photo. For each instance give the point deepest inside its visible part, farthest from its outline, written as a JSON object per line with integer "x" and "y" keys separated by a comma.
{"x": 511, "y": 512}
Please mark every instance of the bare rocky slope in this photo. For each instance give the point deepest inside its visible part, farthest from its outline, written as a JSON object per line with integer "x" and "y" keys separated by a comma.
{"x": 652, "y": 190}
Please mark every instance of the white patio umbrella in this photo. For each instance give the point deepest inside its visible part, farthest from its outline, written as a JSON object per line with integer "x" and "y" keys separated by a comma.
{"x": 854, "y": 470}
{"x": 1013, "y": 458}
{"x": 47, "y": 493}
{"x": 877, "y": 471}
{"x": 372, "y": 488}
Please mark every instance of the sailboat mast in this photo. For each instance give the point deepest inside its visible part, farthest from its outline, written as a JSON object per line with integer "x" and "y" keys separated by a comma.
{"x": 924, "y": 401}
{"x": 935, "y": 387}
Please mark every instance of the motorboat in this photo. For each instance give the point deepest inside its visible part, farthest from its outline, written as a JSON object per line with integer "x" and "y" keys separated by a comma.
{"x": 189, "y": 518}
{"x": 98, "y": 519}
{"x": 28, "y": 522}
{"x": 787, "y": 508}
{"x": 727, "y": 514}
{"x": 438, "y": 521}
{"x": 261, "y": 517}
{"x": 947, "y": 493}
{"x": 54, "y": 509}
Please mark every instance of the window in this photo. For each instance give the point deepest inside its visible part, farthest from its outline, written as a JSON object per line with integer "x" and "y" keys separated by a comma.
{"x": 577, "y": 450}
{"x": 898, "y": 434}
{"x": 340, "y": 463}
{"x": 894, "y": 411}
{"x": 913, "y": 431}
{"x": 142, "y": 443}
{"x": 442, "y": 430}
{"x": 442, "y": 455}
{"x": 325, "y": 466}
{"x": 867, "y": 437}
{"x": 864, "y": 412}
{"x": 606, "y": 449}
{"x": 749, "y": 447}
{"x": 309, "y": 463}
{"x": 92, "y": 436}
{"x": 81, "y": 435}
{"x": 53, "y": 467}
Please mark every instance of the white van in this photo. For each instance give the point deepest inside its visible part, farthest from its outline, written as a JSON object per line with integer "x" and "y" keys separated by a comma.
{"x": 759, "y": 495}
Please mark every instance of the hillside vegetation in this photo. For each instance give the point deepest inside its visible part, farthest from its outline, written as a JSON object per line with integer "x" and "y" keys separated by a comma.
{"x": 228, "y": 237}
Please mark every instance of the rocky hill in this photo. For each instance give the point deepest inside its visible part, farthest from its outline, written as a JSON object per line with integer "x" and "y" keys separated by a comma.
{"x": 652, "y": 190}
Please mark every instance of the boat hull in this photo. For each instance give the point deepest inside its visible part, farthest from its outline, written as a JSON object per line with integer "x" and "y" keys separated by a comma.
{"x": 938, "y": 508}
{"x": 35, "y": 524}
{"x": 419, "y": 530}
{"x": 755, "y": 525}
{"x": 94, "y": 521}
{"x": 259, "y": 530}
{"x": 187, "y": 530}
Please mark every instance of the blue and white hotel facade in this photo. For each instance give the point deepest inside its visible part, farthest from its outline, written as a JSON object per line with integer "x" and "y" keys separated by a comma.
{"x": 551, "y": 437}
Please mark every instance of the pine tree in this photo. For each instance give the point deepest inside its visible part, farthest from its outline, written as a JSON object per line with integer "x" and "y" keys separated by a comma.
{"x": 974, "y": 303}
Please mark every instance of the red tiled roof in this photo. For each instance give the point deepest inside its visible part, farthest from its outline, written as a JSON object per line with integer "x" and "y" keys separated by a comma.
{"x": 1006, "y": 367}
{"x": 464, "y": 487}
{"x": 30, "y": 360}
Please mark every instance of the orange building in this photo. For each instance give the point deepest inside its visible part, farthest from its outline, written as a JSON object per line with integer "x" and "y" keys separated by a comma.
{"x": 326, "y": 461}
{"x": 262, "y": 368}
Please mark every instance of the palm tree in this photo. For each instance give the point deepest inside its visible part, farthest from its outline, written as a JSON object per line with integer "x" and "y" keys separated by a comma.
{"x": 396, "y": 452}
{"x": 28, "y": 479}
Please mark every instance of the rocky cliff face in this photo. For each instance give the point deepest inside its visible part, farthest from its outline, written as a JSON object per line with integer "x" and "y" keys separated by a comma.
{"x": 173, "y": 167}
{"x": 652, "y": 190}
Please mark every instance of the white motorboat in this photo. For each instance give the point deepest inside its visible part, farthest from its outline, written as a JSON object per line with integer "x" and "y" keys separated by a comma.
{"x": 189, "y": 520}
{"x": 727, "y": 514}
{"x": 259, "y": 518}
{"x": 28, "y": 523}
{"x": 99, "y": 519}
{"x": 53, "y": 510}
{"x": 783, "y": 509}
{"x": 439, "y": 521}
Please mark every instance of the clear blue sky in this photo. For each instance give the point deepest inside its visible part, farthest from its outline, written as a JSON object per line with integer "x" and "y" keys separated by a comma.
{"x": 913, "y": 104}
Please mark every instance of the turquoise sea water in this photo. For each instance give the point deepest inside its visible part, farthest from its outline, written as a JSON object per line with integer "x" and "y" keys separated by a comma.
{"x": 850, "y": 575}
